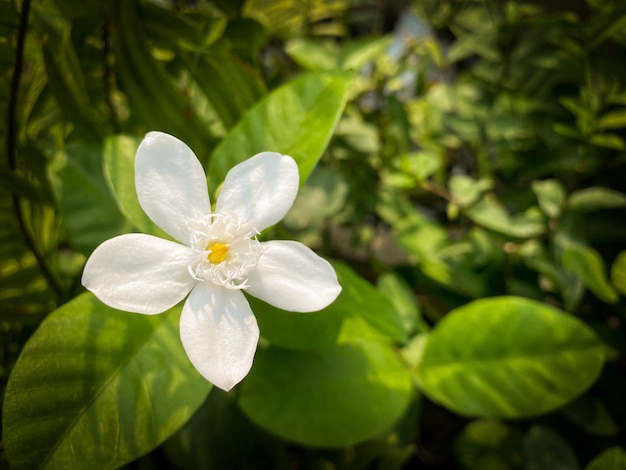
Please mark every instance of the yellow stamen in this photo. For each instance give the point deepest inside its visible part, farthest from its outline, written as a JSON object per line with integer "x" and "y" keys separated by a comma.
{"x": 217, "y": 252}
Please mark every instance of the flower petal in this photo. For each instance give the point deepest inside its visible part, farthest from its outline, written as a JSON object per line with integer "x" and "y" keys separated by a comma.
{"x": 171, "y": 184}
{"x": 292, "y": 277}
{"x": 261, "y": 189}
{"x": 219, "y": 334}
{"x": 139, "y": 273}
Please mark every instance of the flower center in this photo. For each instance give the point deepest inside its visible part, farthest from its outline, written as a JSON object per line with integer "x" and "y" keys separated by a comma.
{"x": 224, "y": 251}
{"x": 217, "y": 252}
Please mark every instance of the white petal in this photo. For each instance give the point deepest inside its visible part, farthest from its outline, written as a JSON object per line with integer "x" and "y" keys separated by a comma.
{"x": 292, "y": 277}
{"x": 261, "y": 189}
{"x": 139, "y": 273}
{"x": 171, "y": 184}
{"x": 219, "y": 334}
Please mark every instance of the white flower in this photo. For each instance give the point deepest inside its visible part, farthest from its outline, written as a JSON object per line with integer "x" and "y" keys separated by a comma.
{"x": 218, "y": 255}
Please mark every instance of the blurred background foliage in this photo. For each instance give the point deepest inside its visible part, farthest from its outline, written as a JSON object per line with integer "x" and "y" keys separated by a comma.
{"x": 481, "y": 152}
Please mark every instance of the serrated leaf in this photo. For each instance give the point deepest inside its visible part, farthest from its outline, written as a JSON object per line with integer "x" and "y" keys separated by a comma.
{"x": 522, "y": 358}
{"x": 97, "y": 388}
{"x": 334, "y": 396}
{"x": 297, "y": 119}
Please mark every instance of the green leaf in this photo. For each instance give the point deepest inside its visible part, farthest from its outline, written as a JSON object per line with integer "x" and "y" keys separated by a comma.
{"x": 97, "y": 388}
{"x": 522, "y": 358}
{"x": 233, "y": 87}
{"x": 156, "y": 101}
{"x": 618, "y": 273}
{"x": 467, "y": 190}
{"x": 544, "y": 449}
{"x": 88, "y": 208}
{"x": 335, "y": 396}
{"x": 297, "y": 119}
{"x": 488, "y": 444}
{"x": 550, "y": 195}
{"x": 403, "y": 299}
{"x": 119, "y": 160}
{"x": 357, "y": 54}
{"x": 492, "y": 215}
{"x": 594, "y": 198}
{"x": 323, "y": 195}
{"x": 313, "y": 54}
{"x": 611, "y": 459}
{"x": 613, "y": 120}
{"x": 590, "y": 415}
{"x": 422, "y": 164}
{"x": 588, "y": 265}
{"x": 218, "y": 435}
{"x": 612, "y": 141}
{"x": 360, "y": 311}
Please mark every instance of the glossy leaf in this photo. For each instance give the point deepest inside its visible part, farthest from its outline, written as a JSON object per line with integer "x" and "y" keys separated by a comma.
{"x": 335, "y": 396}
{"x": 297, "y": 119}
{"x": 97, "y": 388}
{"x": 508, "y": 357}
{"x": 360, "y": 311}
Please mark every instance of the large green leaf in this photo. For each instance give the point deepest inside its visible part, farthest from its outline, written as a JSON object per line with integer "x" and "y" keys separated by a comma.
{"x": 508, "y": 357}
{"x": 297, "y": 119}
{"x": 360, "y": 311}
{"x": 119, "y": 160}
{"x": 334, "y": 396}
{"x": 96, "y": 388}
